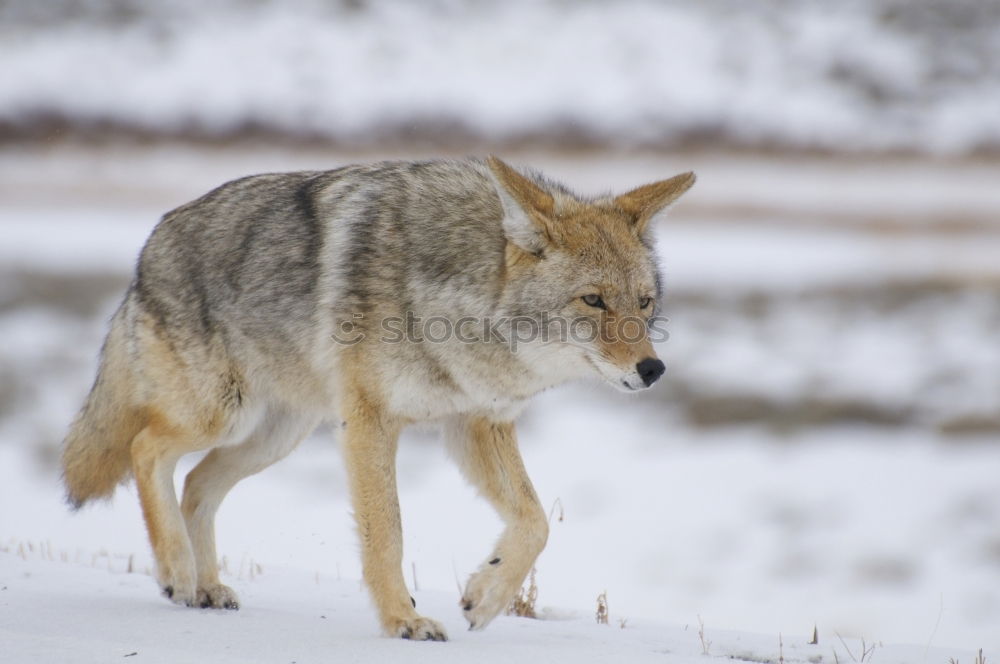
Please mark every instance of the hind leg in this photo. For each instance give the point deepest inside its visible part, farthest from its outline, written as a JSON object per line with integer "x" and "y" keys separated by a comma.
{"x": 155, "y": 451}
{"x": 209, "y": 482}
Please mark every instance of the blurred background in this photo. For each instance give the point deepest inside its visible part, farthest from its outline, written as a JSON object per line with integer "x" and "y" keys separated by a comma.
{"x": 823, "y": 449}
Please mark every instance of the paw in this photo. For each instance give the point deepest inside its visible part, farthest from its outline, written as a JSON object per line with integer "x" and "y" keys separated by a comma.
{"x": 417, "y": 628}
{"x": 179, "y": 592}
{"x": 488, "y": 592}
{"x": 177, "y": 581}
{"x": 217, "y": 596}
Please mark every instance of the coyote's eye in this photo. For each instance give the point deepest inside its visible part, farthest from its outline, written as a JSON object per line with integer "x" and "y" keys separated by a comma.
{"x": 594, "y": 300}
{"x": 644, "y": 302}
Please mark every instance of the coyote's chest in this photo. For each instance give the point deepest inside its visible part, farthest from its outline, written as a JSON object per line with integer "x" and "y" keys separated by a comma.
{"x": 417, "y": 397}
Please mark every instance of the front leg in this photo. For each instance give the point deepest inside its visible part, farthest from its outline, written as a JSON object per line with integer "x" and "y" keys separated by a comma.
{"x": 488, "y": 455}
{"x": 370, "y": 439}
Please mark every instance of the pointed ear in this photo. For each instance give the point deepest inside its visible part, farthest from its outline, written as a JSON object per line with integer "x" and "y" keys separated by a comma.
{"x": 527, "y": 208}
{"x": 645, "y": 202}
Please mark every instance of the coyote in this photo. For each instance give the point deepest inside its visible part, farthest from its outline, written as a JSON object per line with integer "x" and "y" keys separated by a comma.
{"x": 262, "y": 308}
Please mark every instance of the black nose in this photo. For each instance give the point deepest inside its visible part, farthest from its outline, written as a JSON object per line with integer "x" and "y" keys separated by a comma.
{"x": 650, "y": 370}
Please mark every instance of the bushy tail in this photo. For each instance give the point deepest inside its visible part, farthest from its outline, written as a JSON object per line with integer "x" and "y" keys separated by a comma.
{"x": 96, "y": 454}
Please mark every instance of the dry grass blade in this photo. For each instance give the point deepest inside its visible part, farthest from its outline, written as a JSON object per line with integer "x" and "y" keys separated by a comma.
{"x": 602, "y": 608}
{"x": 846, "y": 647}
{"x": 705, "y": 644}
{"x": 978, "y": 660}
{"x": 524, "y": 604}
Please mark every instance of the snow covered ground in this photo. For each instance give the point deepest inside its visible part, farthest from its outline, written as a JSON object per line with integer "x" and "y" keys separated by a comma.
{"x": 883, "y": 529}
{"x": 890, "y": 538}
{"x": 848, "y": 76}
{"x": 54, "y": 612}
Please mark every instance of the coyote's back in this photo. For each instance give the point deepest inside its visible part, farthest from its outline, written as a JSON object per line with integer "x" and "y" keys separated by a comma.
{"x": 238, "y": 294}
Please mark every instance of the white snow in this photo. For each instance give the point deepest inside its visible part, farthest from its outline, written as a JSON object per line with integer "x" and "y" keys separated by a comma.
{"x": 847, "y": 76}
{"x": 860, "y": 536}
{"x": 69, "y": 613}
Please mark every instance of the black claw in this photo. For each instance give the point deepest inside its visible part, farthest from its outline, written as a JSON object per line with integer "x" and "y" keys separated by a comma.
{"x": 413, "y": 602}
{"x": 467, "y": 606}
{"x": 169, "y": 592}
{"x": 495, "y": 561}
{"x": 207, "y": 604}
{"x": 231, "y": 605}
{"x": 407, "y": 633}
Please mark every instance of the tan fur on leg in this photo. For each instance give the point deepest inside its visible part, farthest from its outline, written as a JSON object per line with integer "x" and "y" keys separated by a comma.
{"x": 369, "y": 439}
{"x": 488, "y": 455}
{"x": 155, "y": 451}
{"x": 207, "y": 485}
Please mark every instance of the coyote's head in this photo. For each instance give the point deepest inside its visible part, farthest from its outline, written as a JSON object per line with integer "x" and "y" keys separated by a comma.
{"x": 585, "y": 271}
